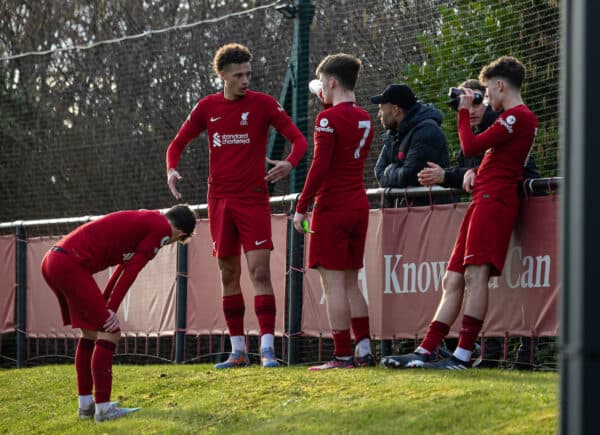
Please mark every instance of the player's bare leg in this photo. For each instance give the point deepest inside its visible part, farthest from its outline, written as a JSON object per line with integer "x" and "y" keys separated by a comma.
{"x": 260, "y": 271}
{"x": 477, "y": 291}
{"x": 453, "y": 286}
{"x": 230, "y": 269}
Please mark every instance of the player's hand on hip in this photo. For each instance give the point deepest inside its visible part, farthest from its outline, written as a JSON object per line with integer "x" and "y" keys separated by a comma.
{"x": 172, "y": 178}
{"x": 434, "y": 174}
{"x": 280, "y": 170}
{"x": 112, "y": 323}
{"x": 469, "y": 181}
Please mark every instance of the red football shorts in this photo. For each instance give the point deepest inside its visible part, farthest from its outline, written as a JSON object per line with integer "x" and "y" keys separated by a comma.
{"x": 484, "y": 235}
{"x": 338, "y": 238}
{"x": 236, "y": 222}
{"x": 80, "y": 298}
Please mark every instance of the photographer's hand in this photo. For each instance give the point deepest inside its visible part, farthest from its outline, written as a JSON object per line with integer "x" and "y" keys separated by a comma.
{"x": 466, "y": 99}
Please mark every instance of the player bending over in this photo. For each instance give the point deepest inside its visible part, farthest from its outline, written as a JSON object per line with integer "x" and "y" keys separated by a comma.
{"x": 128, "y": 240}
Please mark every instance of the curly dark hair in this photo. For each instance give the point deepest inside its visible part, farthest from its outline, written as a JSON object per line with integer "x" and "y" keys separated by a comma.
{"x": 508, "y": 68}
{"x": 230, "y": 53}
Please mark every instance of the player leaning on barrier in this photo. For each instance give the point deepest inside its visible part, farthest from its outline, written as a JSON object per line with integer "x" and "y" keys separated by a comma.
{"x": 343, "y": 135}
{"x": 483, "y": 238}
{"x": 481, "y": 117}
{"x": 128, "y": 240}
{"x": 238, "y": 120}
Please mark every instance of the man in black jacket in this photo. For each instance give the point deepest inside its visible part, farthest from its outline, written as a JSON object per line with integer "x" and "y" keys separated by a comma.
{"x": 413, "y": 138}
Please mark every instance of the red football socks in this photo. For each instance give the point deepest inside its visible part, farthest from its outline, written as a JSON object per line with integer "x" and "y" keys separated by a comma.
{"x": 264, "y": 307}
{"x": 102, "y": 369}
{"x": 360, "y": 328}
{"x": 83, "y": 366}
{"x": 234, "y": 310}
{"x": 342, "y": 344}
{"x": 435, "y": 334}
{"x": 469, "y": 331}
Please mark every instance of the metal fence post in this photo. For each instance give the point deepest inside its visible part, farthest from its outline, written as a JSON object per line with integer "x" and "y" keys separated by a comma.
{"x": 294, "y": 289}
{"x": 181, "y": 311}
{"x": 301, "y": 62}
{"x": 21, "y": 295}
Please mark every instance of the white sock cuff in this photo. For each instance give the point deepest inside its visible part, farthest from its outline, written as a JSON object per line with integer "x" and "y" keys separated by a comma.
{"x": 238, "y": 343}
{"x": 266, "y": 341}
{"x": 85, "y": 401}
{"x": 422, "y": 351}
{"x": 363, "y": 347}
{"x": 462, "y": 354}
{"x": 102, "y": 407}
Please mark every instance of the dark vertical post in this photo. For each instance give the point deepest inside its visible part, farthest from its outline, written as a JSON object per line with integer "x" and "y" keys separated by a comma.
{"x": 181, "y": 312}
{"x": 580, "y": 237}
{"x": 294, "y": 289}
{"x": 21, "y": 295}
{"x": 300, "y": 63}
{"x": 301, "y": 67}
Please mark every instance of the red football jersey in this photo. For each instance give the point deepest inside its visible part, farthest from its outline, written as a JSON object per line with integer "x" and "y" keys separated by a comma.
{"x": 237, "y": 138}
{"x": 343, "y": 135}
{"x": 126, "y": 238}
{"x": 507, "y": 144}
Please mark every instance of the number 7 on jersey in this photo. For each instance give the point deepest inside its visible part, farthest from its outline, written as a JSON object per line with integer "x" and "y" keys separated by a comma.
{"x": 367, "y": 127}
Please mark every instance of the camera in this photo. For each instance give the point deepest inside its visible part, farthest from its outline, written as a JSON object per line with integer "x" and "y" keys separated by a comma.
{"x": 455, "y": 93}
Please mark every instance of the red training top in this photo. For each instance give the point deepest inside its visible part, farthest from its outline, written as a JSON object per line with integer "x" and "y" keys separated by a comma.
{"x": 128, "y": 239}
{"x": 343, "y": 135}
{"x": 237, "y": 138}
{"x": 507, "y": 144}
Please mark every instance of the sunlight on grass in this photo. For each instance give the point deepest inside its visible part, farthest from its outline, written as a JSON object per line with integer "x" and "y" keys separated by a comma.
{"x": 197, "y": 398}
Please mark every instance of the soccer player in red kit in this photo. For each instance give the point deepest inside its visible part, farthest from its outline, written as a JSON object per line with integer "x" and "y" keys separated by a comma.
{"x": 482, "y": 242}
{"x": 343, "y": 135}
{"x": 128, "y": 240}
{"x": 237, "y": 121}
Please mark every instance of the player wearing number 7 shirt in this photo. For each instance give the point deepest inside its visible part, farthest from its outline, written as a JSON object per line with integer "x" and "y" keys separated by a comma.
{"x": 237, "y": 121}
{"x": 342, "y": 137}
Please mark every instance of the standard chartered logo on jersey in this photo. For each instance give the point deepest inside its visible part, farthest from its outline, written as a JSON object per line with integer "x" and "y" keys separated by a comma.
{"x": 230, "y": 139}
{"x": 216, "y": 140}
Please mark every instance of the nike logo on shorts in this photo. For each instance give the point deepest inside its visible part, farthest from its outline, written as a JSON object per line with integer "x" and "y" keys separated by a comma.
{"x": 215, "y": 119}
{"x": 466, "y": 257}
{"x": 260, "y": 242}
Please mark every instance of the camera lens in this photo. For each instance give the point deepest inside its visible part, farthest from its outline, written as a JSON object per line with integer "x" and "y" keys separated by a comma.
{"x": 454, "y": 92}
